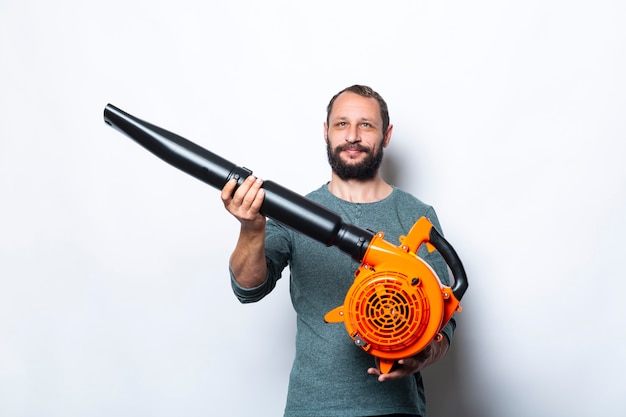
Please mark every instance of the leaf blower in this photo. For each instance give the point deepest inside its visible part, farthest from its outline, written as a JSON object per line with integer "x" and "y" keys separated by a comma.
{"x": 396, "y": 305}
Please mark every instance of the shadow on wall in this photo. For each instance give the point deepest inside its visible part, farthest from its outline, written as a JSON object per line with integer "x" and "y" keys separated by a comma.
{"x": 390, "y": 169}
{"x": 448, "y": 386}
{"x": 401, "y": 169}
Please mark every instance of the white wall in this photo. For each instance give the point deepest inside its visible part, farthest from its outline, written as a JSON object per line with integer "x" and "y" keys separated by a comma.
{"x": 509, "y": 119}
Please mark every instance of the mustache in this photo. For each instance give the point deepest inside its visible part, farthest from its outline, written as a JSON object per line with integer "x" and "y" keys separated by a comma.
{"x": 352, "y": 147}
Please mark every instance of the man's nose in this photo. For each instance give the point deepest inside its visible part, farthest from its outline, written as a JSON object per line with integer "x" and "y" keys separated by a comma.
{"x": 353, "y": 135}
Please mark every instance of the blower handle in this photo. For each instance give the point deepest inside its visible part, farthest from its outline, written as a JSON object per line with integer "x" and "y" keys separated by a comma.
{"x": 452, "y": 259}
{"x": 287, "y": 207}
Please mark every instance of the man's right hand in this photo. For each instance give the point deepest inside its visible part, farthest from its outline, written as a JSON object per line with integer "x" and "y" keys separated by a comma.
{"x": 245, "y": 203}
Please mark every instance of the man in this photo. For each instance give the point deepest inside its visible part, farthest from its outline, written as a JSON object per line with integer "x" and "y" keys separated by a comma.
{"x": 330, "y": 375}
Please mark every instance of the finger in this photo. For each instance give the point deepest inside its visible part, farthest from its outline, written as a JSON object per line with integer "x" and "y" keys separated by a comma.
{"x": 406, "y": 362}
{"x": 254, "y": 194}
{"x": 241, "y": 192}
{"x": 412, "y": 365}
{"x": 399, "y": 372}
{"x": 255, "y": 186}
{"x": 227, "y": 190}
{"x": 258, "y": 200}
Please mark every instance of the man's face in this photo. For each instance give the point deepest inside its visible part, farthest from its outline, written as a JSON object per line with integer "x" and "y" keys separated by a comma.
{"x": 354, "y": 137}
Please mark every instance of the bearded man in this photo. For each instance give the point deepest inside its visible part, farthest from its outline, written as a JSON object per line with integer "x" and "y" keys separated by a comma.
{"x": 329, "y": 376}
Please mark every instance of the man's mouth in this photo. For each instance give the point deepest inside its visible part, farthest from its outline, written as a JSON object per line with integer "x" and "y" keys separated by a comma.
{"x": 353, "y": 149}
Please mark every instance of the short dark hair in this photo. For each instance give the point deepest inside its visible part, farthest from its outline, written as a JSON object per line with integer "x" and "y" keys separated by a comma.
{"x": 363, "y": 91}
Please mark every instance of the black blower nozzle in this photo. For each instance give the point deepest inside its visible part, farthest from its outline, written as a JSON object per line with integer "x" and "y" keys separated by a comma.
{"x": 285, "y": 206}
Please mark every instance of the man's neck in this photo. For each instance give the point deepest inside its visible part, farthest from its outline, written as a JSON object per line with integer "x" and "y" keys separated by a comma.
{"x": 369, "y": 191}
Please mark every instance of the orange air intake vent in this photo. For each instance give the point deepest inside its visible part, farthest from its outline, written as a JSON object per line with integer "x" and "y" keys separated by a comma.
{"x": 388, "y": 312}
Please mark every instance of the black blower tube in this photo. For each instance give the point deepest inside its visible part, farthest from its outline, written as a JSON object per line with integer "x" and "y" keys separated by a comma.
{"x": 284, "y": 206}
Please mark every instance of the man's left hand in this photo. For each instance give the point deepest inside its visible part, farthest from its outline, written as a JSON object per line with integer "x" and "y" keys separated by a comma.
{"x": 408, "y": 366}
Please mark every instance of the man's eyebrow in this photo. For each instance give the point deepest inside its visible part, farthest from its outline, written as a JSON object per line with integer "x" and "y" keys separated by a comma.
{"x": 338, "y": 119}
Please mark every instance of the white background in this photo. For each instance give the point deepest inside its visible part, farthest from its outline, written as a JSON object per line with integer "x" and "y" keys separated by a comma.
{"x": 114, "y": 294}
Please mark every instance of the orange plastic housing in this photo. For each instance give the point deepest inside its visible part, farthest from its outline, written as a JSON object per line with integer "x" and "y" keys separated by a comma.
{"x": 397, "y": 304}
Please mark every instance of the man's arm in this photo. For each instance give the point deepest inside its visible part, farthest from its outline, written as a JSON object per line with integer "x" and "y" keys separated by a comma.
{"x": 247, "y": 261}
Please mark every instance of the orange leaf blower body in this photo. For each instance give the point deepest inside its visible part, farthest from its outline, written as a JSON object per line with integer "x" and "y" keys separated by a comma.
{"x": 396, "y": 306}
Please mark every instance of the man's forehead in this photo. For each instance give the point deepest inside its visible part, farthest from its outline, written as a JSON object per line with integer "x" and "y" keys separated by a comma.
{"x": 349, "y": 104}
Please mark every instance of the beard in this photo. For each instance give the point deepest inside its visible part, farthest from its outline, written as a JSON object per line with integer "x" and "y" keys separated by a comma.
{"x": 361, "y": 171}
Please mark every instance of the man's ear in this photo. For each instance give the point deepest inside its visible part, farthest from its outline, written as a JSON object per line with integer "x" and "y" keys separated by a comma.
{"x": 326, "y": 132}
{"x": 387, "y": 137}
